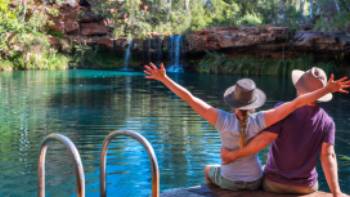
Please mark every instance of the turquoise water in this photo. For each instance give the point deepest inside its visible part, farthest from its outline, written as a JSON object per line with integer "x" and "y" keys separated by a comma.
{"x": 86, "y": 105}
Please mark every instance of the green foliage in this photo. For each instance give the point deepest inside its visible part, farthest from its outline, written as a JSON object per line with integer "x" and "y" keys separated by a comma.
{"x": 338, "y": 22}
{"x": 138, "y": 19}
{"x": 5, "y": 65}
{"x": 293, "y": 19}
{"x": 42, "y": 61}
{"x": 333, "y": 16}
{"x": 24, "y": 39}
{"x": 345, "y": 160}
{"x": 96, "y": 57}
{"x": 250, "y": 19}
{"x": 24, "y": 36}
{"x": 221, "y": 12}
{"x": 245, "y": 65}
{"x": 81, "y": 54}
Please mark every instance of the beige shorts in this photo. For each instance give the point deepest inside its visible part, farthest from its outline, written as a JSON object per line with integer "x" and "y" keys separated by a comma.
{"x": 275, "y": 187}
{"x": 216, "y": 178}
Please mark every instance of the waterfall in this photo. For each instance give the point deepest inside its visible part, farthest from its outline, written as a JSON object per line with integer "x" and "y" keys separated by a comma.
{"x": 159, "y": 54}
{"x": 175, "y": 54}
{"x": 127, "y": 55}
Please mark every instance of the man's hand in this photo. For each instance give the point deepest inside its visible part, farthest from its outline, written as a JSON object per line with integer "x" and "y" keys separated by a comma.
{"x": 228, "y": 156}
{"x": 339, "y": 85}
{"x": 258, "y": 143}
{"x": 153, "y": 72}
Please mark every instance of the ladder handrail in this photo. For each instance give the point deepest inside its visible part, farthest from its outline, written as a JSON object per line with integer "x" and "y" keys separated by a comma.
{"x": 79, "y": 170}
{"x": 146, "y": 145}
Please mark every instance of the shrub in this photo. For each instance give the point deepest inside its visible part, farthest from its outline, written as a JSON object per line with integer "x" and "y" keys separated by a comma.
{"x": 24, "y": 39}
{"x": 250, "y": 19}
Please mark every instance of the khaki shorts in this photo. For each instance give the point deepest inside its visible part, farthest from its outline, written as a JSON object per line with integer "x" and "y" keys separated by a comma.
{"x": 216, "y": 178}
{"x": 275, "y": 187}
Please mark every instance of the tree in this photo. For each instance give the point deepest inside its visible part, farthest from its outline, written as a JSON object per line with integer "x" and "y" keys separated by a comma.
{"x": 24, "y": 37}
{"x": 302, "y": 7}
{"x": 311, "y": 9}
{"x": 282, "y": 11}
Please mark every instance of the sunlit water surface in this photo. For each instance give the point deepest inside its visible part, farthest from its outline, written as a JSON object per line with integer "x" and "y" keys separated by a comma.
{"x": 86, "y": 105}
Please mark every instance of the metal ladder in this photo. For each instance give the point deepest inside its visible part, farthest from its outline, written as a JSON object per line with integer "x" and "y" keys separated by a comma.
{"x": 79, "y": 170}
{"x": 150, "y": 152}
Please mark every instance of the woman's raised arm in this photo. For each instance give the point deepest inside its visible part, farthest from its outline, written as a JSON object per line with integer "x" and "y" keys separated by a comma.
{"x": 272, "y": 116}
{"x": 206, "y": 111}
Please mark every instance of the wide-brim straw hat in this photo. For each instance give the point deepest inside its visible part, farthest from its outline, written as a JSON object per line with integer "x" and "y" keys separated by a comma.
{"x": 310, "y": 80}
{"x": 244, "y": 95}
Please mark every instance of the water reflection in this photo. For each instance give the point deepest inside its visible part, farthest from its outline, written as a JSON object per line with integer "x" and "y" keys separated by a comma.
{"x": 87, "y": 105}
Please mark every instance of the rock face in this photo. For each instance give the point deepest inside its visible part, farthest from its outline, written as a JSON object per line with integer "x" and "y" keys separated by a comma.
{"x": 318, "y": 41}
{"x": 66, "y": 22}
{"x": 267, "y": 39}
{"x": 233, "y": 37}
{"x": 79, "y": 24}
{"x": 93, "y": 29}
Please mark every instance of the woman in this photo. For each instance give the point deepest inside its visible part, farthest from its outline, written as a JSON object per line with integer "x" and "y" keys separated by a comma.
{"x": 238, "y": 127}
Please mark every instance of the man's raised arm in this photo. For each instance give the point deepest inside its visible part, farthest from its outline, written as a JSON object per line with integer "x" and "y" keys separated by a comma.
{"x": 258, "y": 143}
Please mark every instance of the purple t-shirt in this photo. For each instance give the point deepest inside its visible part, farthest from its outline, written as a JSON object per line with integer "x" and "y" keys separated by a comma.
{"x": 294, "y": 154}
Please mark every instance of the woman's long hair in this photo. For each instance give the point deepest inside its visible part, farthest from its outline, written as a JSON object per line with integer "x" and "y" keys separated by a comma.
{"x": 243, "y": 123}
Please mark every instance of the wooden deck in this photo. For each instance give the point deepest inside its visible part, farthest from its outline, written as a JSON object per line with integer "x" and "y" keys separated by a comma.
{"x": 211, "y": 191}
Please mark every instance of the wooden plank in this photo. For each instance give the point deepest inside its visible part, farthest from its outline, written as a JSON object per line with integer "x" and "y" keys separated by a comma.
{"x": 212, "y": 191}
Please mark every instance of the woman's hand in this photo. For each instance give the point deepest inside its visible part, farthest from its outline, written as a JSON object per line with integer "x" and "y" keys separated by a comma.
{"x": 339, "y": 85}
{"x": 155, "y": 73}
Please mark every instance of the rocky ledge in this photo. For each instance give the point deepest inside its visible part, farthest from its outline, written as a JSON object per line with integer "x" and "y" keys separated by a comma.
{"x": 211, "y": 191}
{"x": 268, "y": 38}
{"x": 79, "y": 24}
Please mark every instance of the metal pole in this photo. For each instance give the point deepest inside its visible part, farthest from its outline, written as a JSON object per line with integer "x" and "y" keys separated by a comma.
{"x": 151, "y": 155}
{"x": 79, "y": 170}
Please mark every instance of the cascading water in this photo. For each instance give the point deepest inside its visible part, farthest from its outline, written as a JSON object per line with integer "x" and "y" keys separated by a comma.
{"x": 159, "y": 53}
{"x": 174, "y": 54}
{"x": 127, "y": 55}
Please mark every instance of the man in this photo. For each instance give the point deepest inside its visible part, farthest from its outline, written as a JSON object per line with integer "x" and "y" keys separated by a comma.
{"x": 296, "y": 142}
